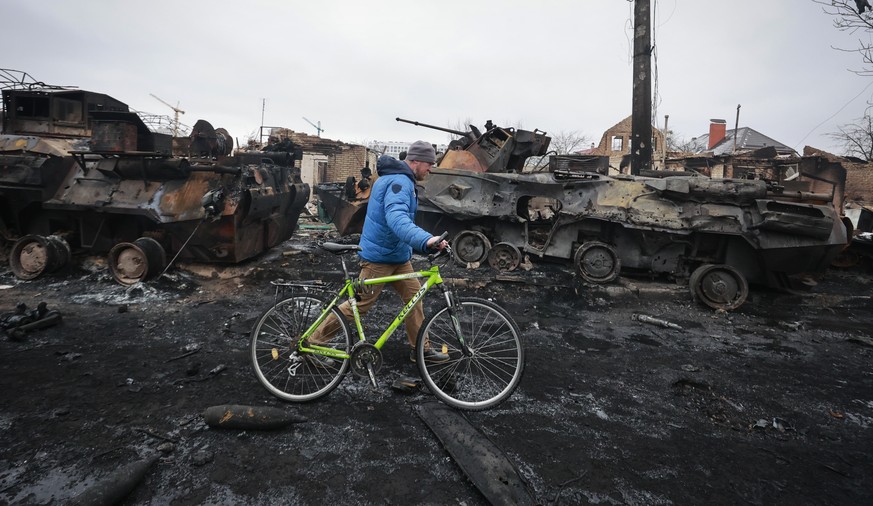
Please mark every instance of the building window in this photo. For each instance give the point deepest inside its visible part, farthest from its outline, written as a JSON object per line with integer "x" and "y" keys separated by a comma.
{"x": 617, "y": 143}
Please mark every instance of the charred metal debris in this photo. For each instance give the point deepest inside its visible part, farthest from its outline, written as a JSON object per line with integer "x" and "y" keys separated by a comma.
{"x": 19, "y": 323}
{"x": 720, "y": 223}
{"x": 81, "y": 172}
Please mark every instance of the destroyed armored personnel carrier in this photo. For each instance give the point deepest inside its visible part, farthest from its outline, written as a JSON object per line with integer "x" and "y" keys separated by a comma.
{"x": 719, "y": 234}
{"x": 496, "y": 150}
{"x": 80, "y": 172}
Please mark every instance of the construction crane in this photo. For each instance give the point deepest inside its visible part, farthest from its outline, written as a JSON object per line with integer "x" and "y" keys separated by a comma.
{"x": 175, "y": 109}
{"x": 317, "y": 127}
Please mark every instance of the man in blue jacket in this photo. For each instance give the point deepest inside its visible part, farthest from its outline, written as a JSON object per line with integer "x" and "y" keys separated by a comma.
{"x": 390, "y": 234}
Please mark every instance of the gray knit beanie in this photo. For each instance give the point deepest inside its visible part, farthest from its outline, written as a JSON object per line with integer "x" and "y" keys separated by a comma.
{"x": 421, "y": 151}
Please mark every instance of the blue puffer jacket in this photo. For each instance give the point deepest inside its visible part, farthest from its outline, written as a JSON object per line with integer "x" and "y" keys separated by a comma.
{"x": 390, "y": 232}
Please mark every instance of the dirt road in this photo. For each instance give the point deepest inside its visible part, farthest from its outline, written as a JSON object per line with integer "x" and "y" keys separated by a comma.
{"x": 770, "y": 404}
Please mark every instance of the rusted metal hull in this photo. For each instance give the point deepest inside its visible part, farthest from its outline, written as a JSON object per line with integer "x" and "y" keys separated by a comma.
{"x": 670, "y": 225}
{"x": 255, "y": 217}
{"x": 346, "y": 214}
{"x": 496, "y": 150}
{"x": 719, "y": 234}
{"x": 111, "y": 182}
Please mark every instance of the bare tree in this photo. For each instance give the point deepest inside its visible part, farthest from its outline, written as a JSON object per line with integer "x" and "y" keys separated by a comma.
{"x": 680, "y": 144}
{"x": 856, "y": 138}
{"x": 567, "y": 143}
{"x": 562, "y": 143}
{"x": 853, "y": 16}
{"x": 459, "y": 125}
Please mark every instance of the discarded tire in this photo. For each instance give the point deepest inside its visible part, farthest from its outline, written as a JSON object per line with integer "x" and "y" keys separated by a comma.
{"x": 133, "y": 262}
{"x": 35, "y": 255}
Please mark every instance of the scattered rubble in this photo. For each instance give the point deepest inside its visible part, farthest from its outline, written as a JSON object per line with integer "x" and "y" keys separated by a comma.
{"x": 249, "y": 417}
{"x": 602, "y": 399}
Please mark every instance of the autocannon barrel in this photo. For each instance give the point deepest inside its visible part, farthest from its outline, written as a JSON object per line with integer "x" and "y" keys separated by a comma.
{"x": 218, "y": 169}
{"x": 449, "y": 130}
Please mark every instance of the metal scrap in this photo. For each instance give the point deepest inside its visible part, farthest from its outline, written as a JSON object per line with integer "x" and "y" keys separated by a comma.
{"x": 484, "y": 463}
{"x": 655, "y": 321}
{"x": 19, "y": 323}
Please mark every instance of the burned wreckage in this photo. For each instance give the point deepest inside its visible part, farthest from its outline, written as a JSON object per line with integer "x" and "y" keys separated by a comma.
{"x": 80, "y": 172}
{"x": 719, "y": 234}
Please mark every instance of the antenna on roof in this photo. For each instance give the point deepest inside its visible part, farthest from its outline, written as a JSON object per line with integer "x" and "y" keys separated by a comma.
{"x": 737, "y": 127}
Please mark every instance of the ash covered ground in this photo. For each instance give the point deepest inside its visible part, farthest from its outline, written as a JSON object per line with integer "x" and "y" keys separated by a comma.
{"x": 769, "y": 404}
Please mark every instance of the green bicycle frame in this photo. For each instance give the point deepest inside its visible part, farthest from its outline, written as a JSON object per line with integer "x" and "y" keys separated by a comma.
{"x": 348, "y": 290}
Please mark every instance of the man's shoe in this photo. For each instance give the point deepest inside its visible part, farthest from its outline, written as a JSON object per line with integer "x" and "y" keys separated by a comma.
{"x": 430, "y": 355}
{"x": 321, "y": 361}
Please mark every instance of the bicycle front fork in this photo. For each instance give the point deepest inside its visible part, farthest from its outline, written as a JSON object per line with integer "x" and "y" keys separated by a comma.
{"x": 454, "y": 313}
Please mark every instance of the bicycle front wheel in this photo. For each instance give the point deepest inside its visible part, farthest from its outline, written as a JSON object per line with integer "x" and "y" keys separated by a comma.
{"x": 280, "y": 367}
{"x": 486, "y": 375}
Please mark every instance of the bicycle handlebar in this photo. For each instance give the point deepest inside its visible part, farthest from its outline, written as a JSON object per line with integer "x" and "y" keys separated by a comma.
{"x": 446, "y": 251}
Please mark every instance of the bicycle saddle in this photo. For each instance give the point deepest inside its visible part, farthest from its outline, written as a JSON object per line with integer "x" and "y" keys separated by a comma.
{"x": 338, "y": 249}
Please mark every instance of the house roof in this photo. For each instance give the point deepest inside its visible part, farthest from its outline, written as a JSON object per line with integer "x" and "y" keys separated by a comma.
{"x": 748, "y": 139}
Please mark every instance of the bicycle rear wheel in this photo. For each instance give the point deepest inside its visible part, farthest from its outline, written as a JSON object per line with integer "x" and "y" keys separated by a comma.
{"x": 283, "y": 370}
{"x": 492, "y": 370}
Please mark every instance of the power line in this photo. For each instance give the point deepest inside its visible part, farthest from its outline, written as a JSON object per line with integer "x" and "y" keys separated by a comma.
{"x": 833, "y": 115}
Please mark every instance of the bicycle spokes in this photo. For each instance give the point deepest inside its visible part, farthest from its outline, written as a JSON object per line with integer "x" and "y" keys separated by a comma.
{"x": 286, "y": 371}
{"x": 484, "y": 367}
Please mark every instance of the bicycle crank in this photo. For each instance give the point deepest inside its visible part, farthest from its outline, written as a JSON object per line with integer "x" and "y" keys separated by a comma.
{"x": 365, "y": 360}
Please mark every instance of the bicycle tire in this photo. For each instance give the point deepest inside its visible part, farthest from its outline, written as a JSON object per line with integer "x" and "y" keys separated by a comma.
{"x": 488, "y": 376}
{"x": 285, "y": 372}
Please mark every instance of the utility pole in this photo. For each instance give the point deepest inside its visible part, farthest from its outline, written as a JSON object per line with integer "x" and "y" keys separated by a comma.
{"x": 641, "y": 118}
{"x": 664, "y": 145}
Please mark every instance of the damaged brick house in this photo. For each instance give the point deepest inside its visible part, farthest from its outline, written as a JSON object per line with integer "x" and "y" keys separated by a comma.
{"x": 720, "y": 141}
{"x": 723, "y": 153}
{"x": 616, "y": 142}
{"x": 327, "y": 160}
{"x": 859, "y": 176}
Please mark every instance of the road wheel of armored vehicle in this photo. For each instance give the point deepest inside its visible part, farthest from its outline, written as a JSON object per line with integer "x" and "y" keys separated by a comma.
{"x": 718, "y": 286}
{"x": 470, "y": 247}
{"x": 140, "y": 260}
{"x": 34, "y": 255}
{"x": 597, "y": 262}
{"x": 504, "y": 257}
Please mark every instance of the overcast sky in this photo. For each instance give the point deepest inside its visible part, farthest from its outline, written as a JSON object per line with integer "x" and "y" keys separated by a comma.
{"x": 354, "y": 66}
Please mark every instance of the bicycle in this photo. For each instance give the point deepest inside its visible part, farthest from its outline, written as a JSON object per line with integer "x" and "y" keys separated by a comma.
{"x": 486, "y": 355}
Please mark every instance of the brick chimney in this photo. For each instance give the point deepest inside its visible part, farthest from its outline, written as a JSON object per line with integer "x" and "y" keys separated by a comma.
{"x": 717, "y": 128}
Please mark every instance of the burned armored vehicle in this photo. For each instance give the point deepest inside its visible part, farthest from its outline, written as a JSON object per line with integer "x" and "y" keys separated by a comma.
{"x": 720, "y": 234}
{"x": 80, "y": 172}
{"x": 495, "y": 150}
{"x": 345, "y": 204}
